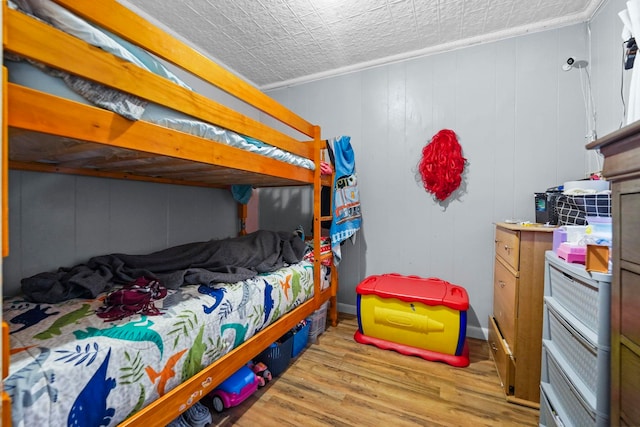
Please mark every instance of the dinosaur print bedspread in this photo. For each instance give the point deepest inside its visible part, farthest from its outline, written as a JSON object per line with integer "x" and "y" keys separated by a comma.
{"x": 70, "y": 367}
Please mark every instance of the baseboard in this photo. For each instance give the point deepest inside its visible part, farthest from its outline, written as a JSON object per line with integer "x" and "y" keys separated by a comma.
{"x": 347, "y": 308}
{"x": 476, "y": 332}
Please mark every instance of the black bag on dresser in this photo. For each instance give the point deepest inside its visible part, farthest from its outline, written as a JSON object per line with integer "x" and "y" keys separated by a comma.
{"x": 573, "y": 209}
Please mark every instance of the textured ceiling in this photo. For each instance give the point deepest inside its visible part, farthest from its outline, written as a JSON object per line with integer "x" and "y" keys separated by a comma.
{"x": 278, "y": 42}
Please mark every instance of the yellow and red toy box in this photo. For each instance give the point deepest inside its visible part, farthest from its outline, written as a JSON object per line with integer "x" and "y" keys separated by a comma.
{"x": 425, "y": 317}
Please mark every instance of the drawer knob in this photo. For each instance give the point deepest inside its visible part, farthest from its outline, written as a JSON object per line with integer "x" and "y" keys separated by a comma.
{"x": 501, "y": 283}
{"x": 494, "y": 347}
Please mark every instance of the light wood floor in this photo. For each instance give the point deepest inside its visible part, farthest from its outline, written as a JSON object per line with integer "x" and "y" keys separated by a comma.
{"x": 338, "y": 382}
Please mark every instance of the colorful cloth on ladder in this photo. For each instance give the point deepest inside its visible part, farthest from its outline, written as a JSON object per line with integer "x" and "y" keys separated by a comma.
{"x": 346, "y": 198}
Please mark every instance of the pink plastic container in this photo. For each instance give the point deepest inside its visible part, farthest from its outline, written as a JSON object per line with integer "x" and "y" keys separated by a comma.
{"x": 572, "y": 253}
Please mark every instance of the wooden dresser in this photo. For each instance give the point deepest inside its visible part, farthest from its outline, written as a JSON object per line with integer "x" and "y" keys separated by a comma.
{"x": 515, "y": 328}
{"x": 621, "y": 150}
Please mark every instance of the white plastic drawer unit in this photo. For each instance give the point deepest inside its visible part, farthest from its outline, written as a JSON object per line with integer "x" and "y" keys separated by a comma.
{"x": 576, "y": 355}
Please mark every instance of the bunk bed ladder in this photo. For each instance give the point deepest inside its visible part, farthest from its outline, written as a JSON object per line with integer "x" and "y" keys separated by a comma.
{"x": 5, "y": 403}
{"x": 320, "y": 182}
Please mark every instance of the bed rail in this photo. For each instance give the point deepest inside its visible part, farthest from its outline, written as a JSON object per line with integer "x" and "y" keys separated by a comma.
{"x": 102, "y": 143}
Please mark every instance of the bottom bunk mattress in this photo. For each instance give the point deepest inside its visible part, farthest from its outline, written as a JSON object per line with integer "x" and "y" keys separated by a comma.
{"x": 71, "y": 367}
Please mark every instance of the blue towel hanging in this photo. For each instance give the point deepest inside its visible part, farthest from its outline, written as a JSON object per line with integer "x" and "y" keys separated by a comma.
{"x": 346, "y": 198}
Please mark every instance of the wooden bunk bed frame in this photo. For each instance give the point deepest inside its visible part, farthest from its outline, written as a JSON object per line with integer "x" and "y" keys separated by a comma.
{"x": 46, "y": 133}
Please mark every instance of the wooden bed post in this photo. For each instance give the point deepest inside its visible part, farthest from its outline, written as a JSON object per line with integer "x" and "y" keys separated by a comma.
{"x": 5, "y": 165}
{"x": 5, "y": 409}
{"x": 321, "y": 181}
{"x": 242, "y": 216}
{"x": 317, "y": 216}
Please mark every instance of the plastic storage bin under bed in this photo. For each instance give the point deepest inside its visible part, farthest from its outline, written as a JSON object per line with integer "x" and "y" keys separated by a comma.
{"x": 277, "y": 356}
{"x": 318, "y": 322}
{"x": 300, "y": 338}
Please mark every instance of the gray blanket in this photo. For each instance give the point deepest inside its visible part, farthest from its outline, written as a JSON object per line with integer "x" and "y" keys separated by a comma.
{"x": 214, "y": 261}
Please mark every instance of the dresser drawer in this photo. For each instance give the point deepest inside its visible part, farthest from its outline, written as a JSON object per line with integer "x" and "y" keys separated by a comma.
{"x": 505, "y": 288}
{"x": 629, "y": 224}
{"x": 629, "y": 390}
{"x": 501, "y": 356}
{"x": 630, "y": 294}
{"x": 508, "y": 246}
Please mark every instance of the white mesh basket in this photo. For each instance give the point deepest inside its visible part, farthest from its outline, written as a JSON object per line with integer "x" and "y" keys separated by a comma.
{"x": 582, "y": 357}
{"x": 579, "y": 297}
{"x": 575, "y": 409}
